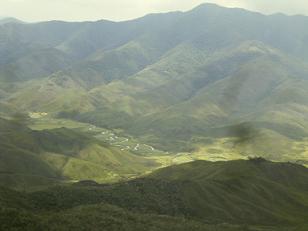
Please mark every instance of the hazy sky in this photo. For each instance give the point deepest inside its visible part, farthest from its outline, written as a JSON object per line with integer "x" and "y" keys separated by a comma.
{"x": 80, "y": 10}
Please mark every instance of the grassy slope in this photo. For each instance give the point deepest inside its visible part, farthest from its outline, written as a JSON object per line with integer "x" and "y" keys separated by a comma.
{"x": 171, "y": 104}
{"x": 208, "y": 102}
{"x": 52, "y": 94}
{"x": 42, "y": 62}
{"x": 33, "y": 158}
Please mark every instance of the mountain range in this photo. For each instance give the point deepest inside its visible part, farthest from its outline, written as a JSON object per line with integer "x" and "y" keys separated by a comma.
{"x": 171, "y": 82}
{"x": 174, "y": 121}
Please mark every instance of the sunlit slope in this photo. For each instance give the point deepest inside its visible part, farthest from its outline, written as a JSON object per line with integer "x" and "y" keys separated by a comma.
{"x": 30, "y": 157}
{"x": 51, "y": 95}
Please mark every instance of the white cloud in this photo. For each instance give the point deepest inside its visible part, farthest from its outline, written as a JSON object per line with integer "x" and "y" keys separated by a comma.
{"x": 79, "y": 10}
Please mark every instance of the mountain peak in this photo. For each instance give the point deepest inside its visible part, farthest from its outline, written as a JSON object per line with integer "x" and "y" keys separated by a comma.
{"x": 5, "y": 20}
{"x": 206, "y": 6}
{"x": 212, "y": 7}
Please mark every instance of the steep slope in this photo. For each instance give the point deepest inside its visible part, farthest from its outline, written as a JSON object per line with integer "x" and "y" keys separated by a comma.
{"x": 37, "y": 64}
{"x": 250, "y": 83}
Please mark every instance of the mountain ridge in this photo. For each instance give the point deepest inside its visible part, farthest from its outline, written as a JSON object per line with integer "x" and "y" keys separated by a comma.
{"x": 214, "y": 83}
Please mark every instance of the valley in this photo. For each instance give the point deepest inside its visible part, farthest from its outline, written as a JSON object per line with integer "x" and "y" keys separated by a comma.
{"x": 215, "y": 150}
{"x": 187, "y": 120}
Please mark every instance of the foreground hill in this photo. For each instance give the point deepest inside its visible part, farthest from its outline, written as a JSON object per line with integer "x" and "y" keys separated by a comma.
{"x": 242, "y": 195}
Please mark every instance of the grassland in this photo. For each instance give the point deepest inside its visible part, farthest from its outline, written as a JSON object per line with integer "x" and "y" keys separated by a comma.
{"x": 62, "y": 151}
{"x": 211, "y": 149}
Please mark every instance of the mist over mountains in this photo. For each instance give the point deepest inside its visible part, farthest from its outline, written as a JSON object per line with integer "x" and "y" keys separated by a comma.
{"x": 108, "y": 102}
{"x": 171, "y": 79}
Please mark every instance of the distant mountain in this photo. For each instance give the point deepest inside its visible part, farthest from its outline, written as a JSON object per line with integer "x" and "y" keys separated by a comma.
{"x": 4, "y": 20}
{"x": 214, "y": 80}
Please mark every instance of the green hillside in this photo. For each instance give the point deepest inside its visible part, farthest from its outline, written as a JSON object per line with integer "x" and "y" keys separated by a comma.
{"x": 172, "y": 110}
{"x": 40, "y": 158}
{"x": 191, "y": 120}
{"x": 236, "y": 195}
{"x": 180, "y": 82}
{"x": 95, "y": 217}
